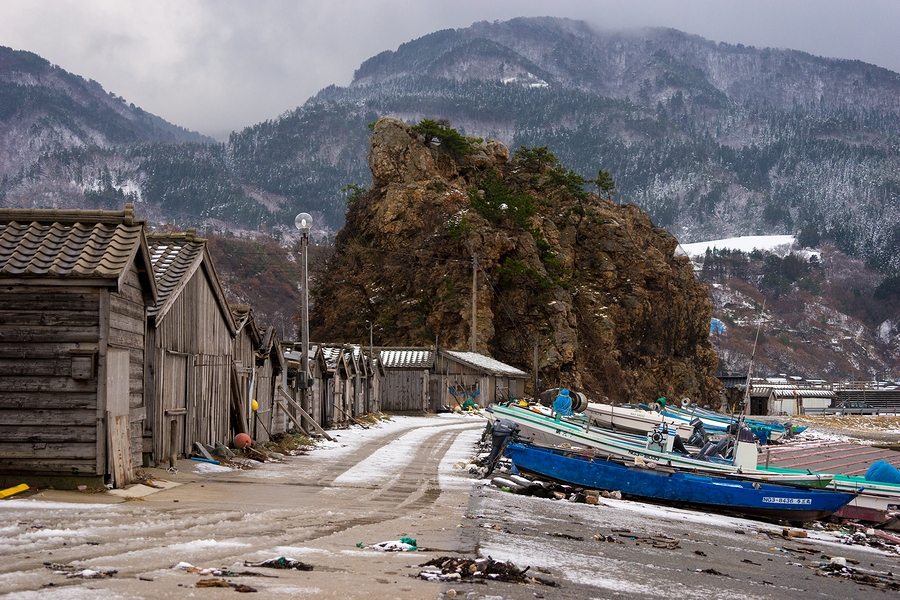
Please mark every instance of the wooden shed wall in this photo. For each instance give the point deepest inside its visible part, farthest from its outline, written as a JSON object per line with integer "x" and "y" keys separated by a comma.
{"x": 245, "y": 355}
{"x": 48, "y": 420}
{"x": 127, "y": 328}
{"x": 492, "y": 388}
{"x": 266, "y": 388}
{"x": 405, "y": 390}
{"x": 194, "y": 328}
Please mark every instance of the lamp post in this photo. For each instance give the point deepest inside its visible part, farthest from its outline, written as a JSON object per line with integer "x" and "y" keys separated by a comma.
{"x": 303, "y": 222}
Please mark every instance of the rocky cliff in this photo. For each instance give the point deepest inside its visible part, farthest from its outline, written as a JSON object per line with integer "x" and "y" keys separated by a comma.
{"x": 590, "y": 283}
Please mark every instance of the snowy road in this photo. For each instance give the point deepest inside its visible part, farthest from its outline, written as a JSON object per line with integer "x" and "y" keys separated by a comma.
{"x": 398, "y": 480}
{"x": 383, "y": 483}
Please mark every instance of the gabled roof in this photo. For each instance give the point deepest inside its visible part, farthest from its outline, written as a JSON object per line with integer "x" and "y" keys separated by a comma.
{"x": 331, "y": 355}
{"x": 96, "y": 246}
{"x": 244, "y": 318}
{"x": 176, "y": 257}
{"x": 271, "y": 349}
{"x": 484, "y": 363}
{"x": 406, "y": 358}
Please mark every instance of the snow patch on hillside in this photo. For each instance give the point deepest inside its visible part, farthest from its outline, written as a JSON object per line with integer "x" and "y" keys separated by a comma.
{"x": 776, "y": 244}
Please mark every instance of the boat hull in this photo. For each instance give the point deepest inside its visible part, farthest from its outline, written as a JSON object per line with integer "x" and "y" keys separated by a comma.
{"x": 638, "y": 421}
{"x": 537, "y": 428}
{"x": 678, "y": 487}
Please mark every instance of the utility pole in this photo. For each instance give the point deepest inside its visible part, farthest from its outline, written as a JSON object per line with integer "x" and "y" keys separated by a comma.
{"x": 303, "y": 222}
{"x": 474, "y": 302}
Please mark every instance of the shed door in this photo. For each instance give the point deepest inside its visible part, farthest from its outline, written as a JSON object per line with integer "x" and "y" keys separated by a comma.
{"x": 175, "y": 403}
{"x": 117, "y": 412}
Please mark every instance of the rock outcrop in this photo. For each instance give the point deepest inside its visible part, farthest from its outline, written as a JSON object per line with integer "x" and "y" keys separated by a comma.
{"x": 590, "y": 283}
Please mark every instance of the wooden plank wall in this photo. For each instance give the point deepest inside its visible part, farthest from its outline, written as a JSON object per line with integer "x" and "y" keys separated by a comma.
{"x": 265, "y": 398}
{"x": 194, "y": 326}
{"x": 245, "y": 355}
{"x": 48, "y": 420}
{"x": 405, "y": 390}
{"x": 127, "y": 328}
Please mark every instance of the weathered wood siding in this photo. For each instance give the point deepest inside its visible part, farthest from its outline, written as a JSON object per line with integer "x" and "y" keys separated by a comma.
{"x": 127, "y": 328}
{"x": 405, "y": 390}
{"x": 48, "y": 419}
{"x": 266, "y": 383}
{"x": 491, "y": 387}
{"x": 194, "y": 327}
{"x": 245, "y": 357}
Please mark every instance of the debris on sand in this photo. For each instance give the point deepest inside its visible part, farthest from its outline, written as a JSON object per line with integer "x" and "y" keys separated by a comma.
{"x": 837, "y": 567}
{"x": 282, "y": 562}
{"x": 78, "y": 572}
{"x": 451, "y": 568}
{"x": 221, "y": 583}
{"x": 404, "y": 544}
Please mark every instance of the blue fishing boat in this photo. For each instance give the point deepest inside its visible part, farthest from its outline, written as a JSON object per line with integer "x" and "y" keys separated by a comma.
{"x": 670, "y": 486}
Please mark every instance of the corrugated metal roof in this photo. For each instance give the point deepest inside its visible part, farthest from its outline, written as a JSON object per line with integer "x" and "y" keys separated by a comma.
{"x": 804, "y": 393}
{"x": 407, "y": 358}
{"x": 486, "y": 363}
{"x": 57, "y": 244}
{"x": 784, "y": 391}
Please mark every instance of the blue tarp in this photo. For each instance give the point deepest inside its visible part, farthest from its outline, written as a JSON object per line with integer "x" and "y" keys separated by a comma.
{"x": 883, "y": 472}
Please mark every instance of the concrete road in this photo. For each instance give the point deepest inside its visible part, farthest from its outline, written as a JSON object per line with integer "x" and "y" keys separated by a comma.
{"x": 381, "y": 484}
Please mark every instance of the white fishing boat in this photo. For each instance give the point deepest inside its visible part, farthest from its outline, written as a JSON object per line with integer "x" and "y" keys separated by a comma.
{"x": 638, "y": 420}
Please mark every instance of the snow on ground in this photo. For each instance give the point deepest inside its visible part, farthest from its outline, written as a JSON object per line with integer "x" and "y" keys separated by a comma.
{"x": 599, "y": 570}
{"x": 350, "y": 440}
{"x": 609, "y": 570}
{"x": 391, "y": 458}
{"x": 780, "y": 244}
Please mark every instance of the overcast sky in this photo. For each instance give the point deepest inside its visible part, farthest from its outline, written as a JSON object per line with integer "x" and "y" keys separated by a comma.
{"x": 219, "y": 65}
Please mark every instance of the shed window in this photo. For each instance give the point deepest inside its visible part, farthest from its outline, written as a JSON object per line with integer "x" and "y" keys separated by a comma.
{"x": 82, "y": 364}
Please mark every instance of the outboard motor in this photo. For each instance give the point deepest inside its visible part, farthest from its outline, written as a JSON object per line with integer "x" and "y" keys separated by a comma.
{"x": 745, "y": 449}
{"x": 699, "y": 437}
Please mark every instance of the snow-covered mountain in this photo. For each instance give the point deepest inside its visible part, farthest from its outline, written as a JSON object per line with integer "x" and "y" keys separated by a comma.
{"x": 712, "y": 140}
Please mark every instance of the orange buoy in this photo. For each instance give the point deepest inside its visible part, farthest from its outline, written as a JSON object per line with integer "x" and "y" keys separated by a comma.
{"x": 242, "y": 440}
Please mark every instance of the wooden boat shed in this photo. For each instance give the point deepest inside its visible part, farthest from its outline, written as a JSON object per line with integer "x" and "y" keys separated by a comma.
{"x": 407, "y": 378}
{"x": 461, "y": 375}
{"x": 192, "y": 384}
{"x": 258, "y": 365}
{"x": 296, "y": 400}
{"x": 72, "y": 337}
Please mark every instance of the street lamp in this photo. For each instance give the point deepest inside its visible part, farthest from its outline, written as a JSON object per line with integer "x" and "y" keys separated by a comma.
{"x": 303, "y": 222}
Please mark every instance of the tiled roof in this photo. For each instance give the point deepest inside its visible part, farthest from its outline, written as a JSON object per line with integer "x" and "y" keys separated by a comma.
{"x": 67, "y": 243}
{"x": 331, "y": 354}
{"x": 244, "y": 318}
{"x": 485, "y": 363}
{"x": 407, "y": 358}
{"x": 175, "y": 258}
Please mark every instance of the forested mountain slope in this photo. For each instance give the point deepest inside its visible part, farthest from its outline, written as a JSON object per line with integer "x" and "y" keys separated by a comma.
{"x": 710, "y": 139}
